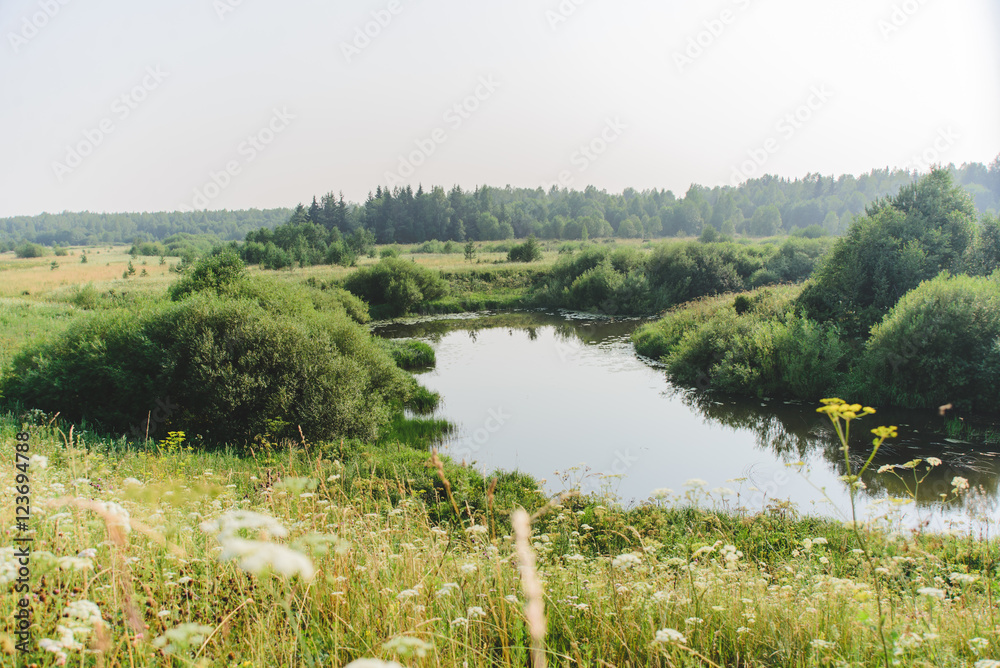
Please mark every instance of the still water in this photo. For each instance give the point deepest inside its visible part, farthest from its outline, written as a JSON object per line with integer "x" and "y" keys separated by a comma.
{"x": 564, "y": 397}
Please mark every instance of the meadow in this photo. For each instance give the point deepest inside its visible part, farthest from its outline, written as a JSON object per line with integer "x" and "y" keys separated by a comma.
{"x": 289, "y": 550}
{"x": 323, "y": 554}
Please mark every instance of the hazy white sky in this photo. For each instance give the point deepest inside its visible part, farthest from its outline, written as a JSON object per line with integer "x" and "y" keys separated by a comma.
{"x": 119, "y": 105}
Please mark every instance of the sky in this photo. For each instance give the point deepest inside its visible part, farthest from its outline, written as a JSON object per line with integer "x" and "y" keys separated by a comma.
{"x": 120, "y": 105}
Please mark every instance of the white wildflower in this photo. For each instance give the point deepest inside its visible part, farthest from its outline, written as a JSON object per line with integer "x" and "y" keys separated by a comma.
{"x": 626, "y": 561}
{"x": 977, "y": 645}
{"x": 931, "y": 592}
{"x": 408, "y": 646}
{"x": 475, "y": 612}
{"x": 257, "y": 557}
{"x": 40, "y": 461}
{"x": 696, "y": 483}
{"x": 446, "y": 589}
{"x": 407, "y": 593}
{"x": 237, "y": 520}
{"x": 934, "y": 461}
{"x": 670, "y": 637}
{"x": 182, "y": 638}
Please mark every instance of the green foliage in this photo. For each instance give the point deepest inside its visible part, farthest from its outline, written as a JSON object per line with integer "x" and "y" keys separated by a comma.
{"x": 984, "y": 255}
{"x": 903, "y": 240}
{"x": 529, "y": 251}
{"x": 29, "y": 250}
{"x": 229, "y": 369}
{"x": 214, "y": 273}
{"x": 470, "y": 251}
{"x": 410, "y": 354}
{"x": 304, "y": 242}
{"x": 435, "y": 246}
{"x": 940, "y": 344}
{"x": 391, "y": 251}
{"x": 397, "y": 285}
{"x": 810, "y": 232}
{"x": 628, "y": 281}
{"x": 417, "y": 433}
{"x": 85, "y": 297}
{"x": 764, "y": 350}
{"x": 709, "y": 235}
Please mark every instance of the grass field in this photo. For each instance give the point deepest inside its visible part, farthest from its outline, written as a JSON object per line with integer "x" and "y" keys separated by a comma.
{"x": 320, "y": 554}
{"x": 316, "y": 557}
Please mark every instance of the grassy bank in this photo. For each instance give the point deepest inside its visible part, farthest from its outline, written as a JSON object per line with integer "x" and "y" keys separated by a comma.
{"x": 321, "y": 554}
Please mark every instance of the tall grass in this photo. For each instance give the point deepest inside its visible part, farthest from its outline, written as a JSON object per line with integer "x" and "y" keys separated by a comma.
{"x": 319, "y": 555}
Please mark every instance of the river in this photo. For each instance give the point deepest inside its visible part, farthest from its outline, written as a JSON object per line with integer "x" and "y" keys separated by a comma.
{"x": 563, "y": 396}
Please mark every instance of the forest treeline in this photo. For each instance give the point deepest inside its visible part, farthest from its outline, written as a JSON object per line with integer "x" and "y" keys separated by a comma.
{"x": 92, "y": 229}
{"x": 760, "y": 207}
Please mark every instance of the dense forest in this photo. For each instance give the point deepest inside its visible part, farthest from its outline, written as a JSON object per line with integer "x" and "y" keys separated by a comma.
{"x": 91, "y": 229}
{"x": 760, "y": 207}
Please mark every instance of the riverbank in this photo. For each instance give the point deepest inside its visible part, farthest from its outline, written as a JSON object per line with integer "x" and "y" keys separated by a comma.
{"x": 364, "y": 555}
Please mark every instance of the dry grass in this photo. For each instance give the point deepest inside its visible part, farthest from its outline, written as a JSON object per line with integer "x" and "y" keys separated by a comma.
{"x": 35, "y": 278}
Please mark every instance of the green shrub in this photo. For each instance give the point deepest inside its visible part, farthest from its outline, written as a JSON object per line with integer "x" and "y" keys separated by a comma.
{"x": 396, "y": 284}
{"x": 529, "y": 251}
{"x": 85, "y": 297}
{"x": 29, "y": 250}
{"x": 902, "y": 241}
{"x": 984, "y": 255}
{"x": 211, "y": 273}
{"x": 765, "y": 349}
{"x": 229, "y": 369}
{"x": 149, "y": 249}
{"x": 811, "y": 232}
{"x": 410, "y": 354}
{"x": 940, "y": 344}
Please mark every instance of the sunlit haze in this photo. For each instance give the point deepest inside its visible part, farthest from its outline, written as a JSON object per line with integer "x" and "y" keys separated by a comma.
{"x": 134, "y": 106}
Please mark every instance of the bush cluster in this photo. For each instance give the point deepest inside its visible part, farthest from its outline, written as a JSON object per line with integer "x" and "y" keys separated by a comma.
{"x": 395, "y": 285}
{"x": 626, "y": 281}
{"x": 233, "y": 357}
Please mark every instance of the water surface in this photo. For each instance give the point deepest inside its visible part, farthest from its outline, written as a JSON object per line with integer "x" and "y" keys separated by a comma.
{"x": 565, "y": 398}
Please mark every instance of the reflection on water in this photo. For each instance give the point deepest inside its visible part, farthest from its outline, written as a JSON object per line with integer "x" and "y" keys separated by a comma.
{"x": 544, "y": 392}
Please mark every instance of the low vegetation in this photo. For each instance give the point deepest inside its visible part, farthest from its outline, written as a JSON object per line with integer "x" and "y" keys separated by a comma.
{"x": 234, "y": 357}
{"x": 322, "y": 554}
